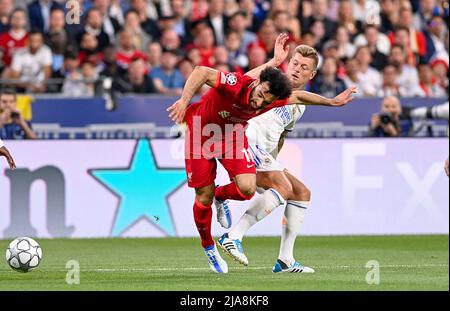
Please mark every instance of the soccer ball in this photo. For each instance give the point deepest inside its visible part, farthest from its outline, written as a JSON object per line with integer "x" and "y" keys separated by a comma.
{"x": 23, "y": 254}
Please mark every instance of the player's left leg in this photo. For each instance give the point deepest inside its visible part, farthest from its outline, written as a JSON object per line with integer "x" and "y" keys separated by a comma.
{"x": 294, "y": 214}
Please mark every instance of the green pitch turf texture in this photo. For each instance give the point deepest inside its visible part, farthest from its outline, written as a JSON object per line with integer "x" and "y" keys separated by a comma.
{"x": 406, "y": 263}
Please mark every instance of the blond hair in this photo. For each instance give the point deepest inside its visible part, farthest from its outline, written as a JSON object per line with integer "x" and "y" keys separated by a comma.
{"x": 308, "y": 52}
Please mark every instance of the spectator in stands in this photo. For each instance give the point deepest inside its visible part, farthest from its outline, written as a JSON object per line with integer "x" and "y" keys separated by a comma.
{"x": 57, "y": 38}
{"x": 318, "y": 31}
{"x": 147, "y": 23}
{"x": 167, "y": 78}
{"x": 182, "y": 23}
{"x": 346, "y": 49}
{"x": 217, "y": 20}
{"x": 170, "y": 40}
{"x": 166, "y": 22}
{"x": 255, "y": 14}
{"x": 327, "y": 83}
{"x": 408, "y": 78}
{"x": 440, "y": 72}
{"x": 388, "y": 15}
{"x": 435, "y": 34}
{"x": 237, "y": 23}
{"x": 186, "y": 67}
{"x": 193, "y": 54}
{"x": 256, "y": 57}
{"x": 111, "y": 25}
{"x": 154, "y": 52}
{"x": 89, "y": 51}
{"x": 220, "y": 55}
{"x": 39, "y": 14}
{"x": 6, "y": 7}
{"x": 32, "y": 65}
{"x": 110, "y": 67}
{"x": 126, "y": 51}
{"x": 140, "y": 38}
{"x": 14, "y": 39}
{"x": 378, "y": 44}
{"x": 205, "y": 44}
{"x": 12, "y": 125}
{"x": 285, "y": 22}
{"x": 366, "y": 11}
{"x": 390, "y": 86}
{"x": 428, "y": 84}
{"x": 351, "y": 76}
{"x": 387, "y": 123}
{"x": 417, "y": 41}
{"x": 347, "y": 19}
{"x": 267, "y": 35}
{"x": 94, "y": 27}
{"x": 426, "y": 11}
{"x": 136, "y": 80}
{"x": 319, "y": 13}
{"x": 369, "y": 77}
{"x": 402, "y": 37}
{"x": 232, "y": 44}
{"x": 80, "y": 83}
{"x": 70, "y": 65}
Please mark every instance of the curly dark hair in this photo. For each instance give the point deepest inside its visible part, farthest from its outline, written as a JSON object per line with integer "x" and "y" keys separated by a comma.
{"x": 279, "y": 85}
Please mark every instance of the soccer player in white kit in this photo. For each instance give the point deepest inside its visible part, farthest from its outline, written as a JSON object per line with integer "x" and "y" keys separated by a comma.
{"x": 4, "y": 152}
{"x": 276, "y": 185}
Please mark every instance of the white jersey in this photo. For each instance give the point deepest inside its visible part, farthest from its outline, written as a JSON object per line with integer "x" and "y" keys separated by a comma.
{"x": 1, "y": 143}
{"x": 266, "y": 129}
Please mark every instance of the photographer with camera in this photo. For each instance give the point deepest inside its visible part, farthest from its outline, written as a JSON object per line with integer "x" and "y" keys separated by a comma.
{"x": 12, "y": 125}
{"x": 388, "y": 123}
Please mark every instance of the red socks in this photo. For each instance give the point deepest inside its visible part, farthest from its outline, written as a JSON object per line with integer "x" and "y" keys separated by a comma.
{"x": 202, "y": 218}
{"x": 230, "y": 192}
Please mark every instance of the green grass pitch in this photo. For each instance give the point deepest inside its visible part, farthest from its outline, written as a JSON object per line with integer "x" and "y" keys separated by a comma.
{"x": 406, "y": 263}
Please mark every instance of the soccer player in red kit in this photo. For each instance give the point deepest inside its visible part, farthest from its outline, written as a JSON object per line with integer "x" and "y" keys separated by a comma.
{"x": 232, "y": 100}
{"x": 216, "y": 130}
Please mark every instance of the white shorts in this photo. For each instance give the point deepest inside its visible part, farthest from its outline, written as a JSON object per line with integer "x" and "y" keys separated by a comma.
{"x": 264, "y": 161}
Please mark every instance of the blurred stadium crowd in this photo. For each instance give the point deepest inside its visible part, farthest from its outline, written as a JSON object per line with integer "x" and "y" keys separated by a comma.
{"x": 387, "y": 47}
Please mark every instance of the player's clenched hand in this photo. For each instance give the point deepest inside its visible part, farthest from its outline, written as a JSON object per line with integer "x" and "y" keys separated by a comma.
{"x": 281, "y": 51}
{"x": 5, "y": 153}
{"x": 177, "y": 110}
{"x": 344, "y": 98}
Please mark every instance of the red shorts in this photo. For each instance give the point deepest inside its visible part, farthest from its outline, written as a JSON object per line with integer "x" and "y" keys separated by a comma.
{"x": 202, "y": 172}
{"x": 201, "y": 165}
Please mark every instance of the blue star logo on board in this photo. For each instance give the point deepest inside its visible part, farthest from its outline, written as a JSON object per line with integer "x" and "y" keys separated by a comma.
{"x": 143, "y": 190}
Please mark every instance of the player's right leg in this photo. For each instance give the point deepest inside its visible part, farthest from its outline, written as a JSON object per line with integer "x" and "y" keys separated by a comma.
{"x": 201, "y": 174}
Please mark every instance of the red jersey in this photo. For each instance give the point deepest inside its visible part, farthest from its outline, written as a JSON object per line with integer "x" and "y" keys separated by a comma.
{"x": 9, "y": 44}
{"x": 228, "y": 102}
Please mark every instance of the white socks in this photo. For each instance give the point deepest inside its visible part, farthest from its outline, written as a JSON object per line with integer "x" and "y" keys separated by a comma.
{"x": 261, "y": 206}
{"x": 292, "y": 221}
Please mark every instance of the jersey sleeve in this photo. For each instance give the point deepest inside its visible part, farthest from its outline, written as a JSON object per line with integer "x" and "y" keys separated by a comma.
{"x": 229, "y": 83}
{"x": 1, "y": 143}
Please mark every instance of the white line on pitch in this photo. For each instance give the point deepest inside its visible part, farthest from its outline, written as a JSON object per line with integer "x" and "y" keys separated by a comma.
{"x": 252, "y": 268}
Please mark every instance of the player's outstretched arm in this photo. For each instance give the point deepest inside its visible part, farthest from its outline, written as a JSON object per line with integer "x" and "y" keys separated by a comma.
{"x": 200, "y": 76}
{"x": 280, "y": 54}
{"x": 5, "y": 153}
{"x": 308, "y": 98}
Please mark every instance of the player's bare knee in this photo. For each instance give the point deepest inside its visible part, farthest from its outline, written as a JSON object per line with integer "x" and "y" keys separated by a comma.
{"x": 204, "y": 196}
{"x": 285, "y": 189}
{"x": 247, "y": 189}
{"x": 301, "y": 193}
